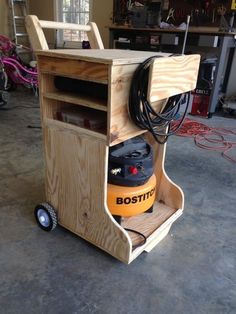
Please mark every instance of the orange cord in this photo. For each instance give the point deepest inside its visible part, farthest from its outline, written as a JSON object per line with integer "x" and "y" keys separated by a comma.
{"x": 209, "y": 138}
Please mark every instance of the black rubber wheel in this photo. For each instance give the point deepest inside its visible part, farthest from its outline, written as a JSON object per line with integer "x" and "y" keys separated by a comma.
{"x": 45, "y": 216}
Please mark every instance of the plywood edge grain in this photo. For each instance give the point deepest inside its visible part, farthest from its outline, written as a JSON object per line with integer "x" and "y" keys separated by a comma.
{"x": 124, "y": 259}
{"x": 157, "y": 235}
{"x": 73, "y": 67}
{"x": 168, "y": 192}
{"x": 77, "y": 99}
{"x": 104, "y": 56}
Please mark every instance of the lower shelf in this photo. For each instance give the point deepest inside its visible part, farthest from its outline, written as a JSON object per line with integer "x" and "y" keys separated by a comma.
{"x": 148, "y": 223}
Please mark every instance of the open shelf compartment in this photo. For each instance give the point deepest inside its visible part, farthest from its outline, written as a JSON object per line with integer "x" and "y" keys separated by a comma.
{"x": 80, "y": 100}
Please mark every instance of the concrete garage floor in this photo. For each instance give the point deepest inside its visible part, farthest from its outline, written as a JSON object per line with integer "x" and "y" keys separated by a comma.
{"x": 191, "y": 271}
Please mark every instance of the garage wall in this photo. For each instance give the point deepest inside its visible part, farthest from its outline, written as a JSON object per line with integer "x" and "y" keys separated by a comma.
{"x": 4, "y": 15}
{"x": 44, "y": 9}
{"x": 102, "y": 14}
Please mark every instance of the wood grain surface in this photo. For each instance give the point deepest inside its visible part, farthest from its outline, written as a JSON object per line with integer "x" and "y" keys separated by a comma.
{"x": 105, "y": 56}
{"x": 76, "y": 188}
{"x": 172, "y": 76}
{"x": 147, "y": 223}
{"x": 77, "y": 99}
{"x": 121, "y": 126}
{"x": 90, "y": 71}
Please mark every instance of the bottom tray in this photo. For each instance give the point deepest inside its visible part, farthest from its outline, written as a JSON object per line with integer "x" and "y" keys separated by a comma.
{"x": 148, "y": 223}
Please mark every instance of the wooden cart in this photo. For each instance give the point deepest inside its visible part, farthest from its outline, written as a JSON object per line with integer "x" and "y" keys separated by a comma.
{"x": 76, "y": 158}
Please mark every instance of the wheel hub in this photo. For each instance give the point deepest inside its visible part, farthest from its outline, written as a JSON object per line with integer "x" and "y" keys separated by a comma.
{"x": 43, "y": 218}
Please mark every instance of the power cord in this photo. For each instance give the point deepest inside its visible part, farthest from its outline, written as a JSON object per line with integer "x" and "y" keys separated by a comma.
{"x": 143, "y": 114}
{"x": 34, "y": 127}
{"x": 140, "y": 234}
{"x": 211, "y": 138}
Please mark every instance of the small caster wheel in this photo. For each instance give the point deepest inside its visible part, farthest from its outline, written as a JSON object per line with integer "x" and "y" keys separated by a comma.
{"x": 45, "y": 216}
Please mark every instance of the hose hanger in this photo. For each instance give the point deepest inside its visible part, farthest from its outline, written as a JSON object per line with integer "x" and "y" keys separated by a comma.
{"x": 143, "y": 114}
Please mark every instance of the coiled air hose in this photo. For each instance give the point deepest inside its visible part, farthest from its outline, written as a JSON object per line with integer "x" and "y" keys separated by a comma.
{"x": 143, "y": 114}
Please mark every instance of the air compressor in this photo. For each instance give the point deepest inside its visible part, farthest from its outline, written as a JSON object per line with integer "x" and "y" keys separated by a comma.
{"x": 131, "y": 180}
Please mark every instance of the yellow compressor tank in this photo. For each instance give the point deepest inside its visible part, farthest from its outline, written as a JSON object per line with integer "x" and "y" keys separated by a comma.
{"x": 129, "y": 201}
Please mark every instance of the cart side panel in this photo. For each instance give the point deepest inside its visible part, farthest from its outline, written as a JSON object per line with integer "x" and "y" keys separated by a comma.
{"x": 76, "y": 183}
{"x": 167, "y": 191}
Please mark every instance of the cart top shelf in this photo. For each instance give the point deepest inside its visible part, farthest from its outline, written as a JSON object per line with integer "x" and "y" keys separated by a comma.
{"x": 105, "y": 56}
{"x": 168, "y": 76}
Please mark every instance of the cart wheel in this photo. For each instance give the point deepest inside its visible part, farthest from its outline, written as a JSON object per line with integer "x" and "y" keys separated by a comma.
{"x": 45, "y": 216}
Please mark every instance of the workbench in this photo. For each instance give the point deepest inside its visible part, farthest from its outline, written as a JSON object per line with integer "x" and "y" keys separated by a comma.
{"x": 76, "y": 158}
{"x": 198, "y": 37}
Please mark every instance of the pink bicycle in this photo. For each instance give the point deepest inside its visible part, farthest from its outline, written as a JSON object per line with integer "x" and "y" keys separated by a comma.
{"x": 17, "y": 72}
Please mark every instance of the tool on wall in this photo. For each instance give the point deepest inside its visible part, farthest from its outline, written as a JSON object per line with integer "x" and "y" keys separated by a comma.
{"x": 224, "y": 25}
{"x": 170, "y": 17}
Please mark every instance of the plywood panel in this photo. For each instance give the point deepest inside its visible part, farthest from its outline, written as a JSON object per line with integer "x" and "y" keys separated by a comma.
{"x": 121, "y": 127}
{"x": 77, "y": 99}
{"x": 157, "y": 235}
{"x": 105, "y": 56}
{"x": 172, "y": 76}
{"x": 147, "y": 223}
{"x": 167, "y": 191}
{"x": 74, "y": 68}
{"x": 76, "y": 187}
